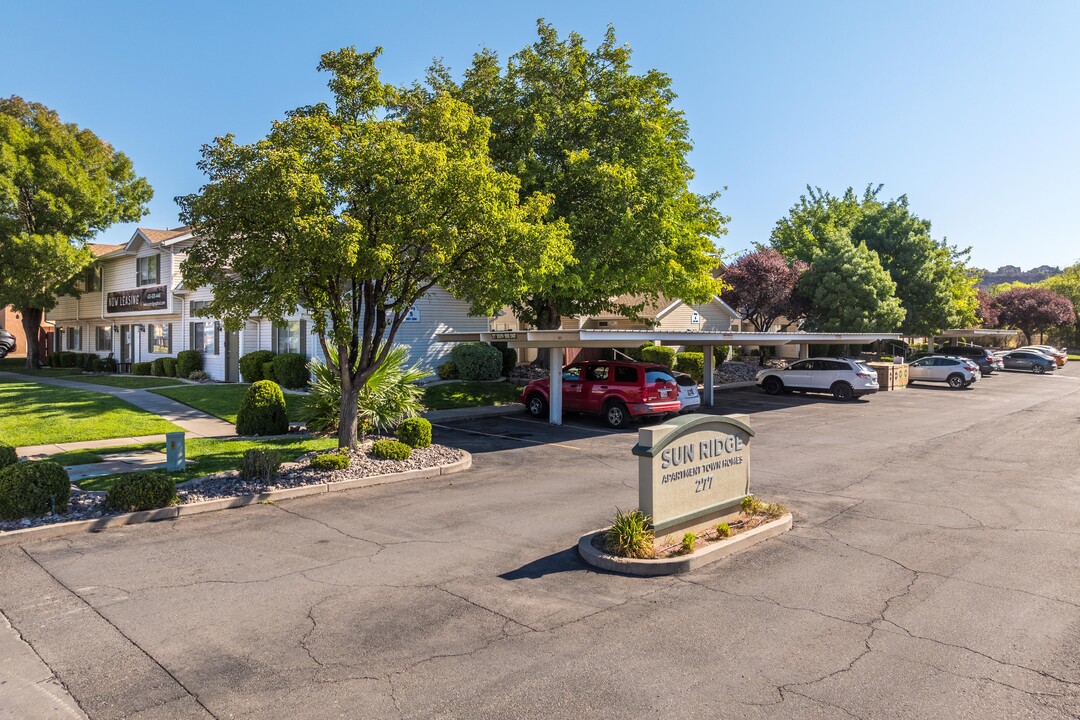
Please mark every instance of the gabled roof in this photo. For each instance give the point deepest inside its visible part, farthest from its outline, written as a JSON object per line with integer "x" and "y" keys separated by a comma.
{"x": 100, "y": 249}
{"x": 156, "y": 236}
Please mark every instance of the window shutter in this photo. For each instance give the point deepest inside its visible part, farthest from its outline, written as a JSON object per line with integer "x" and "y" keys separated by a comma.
{"x": 217, "y": 339}
{"x": 170, "y": 338}
{"x": 303, "y": 338}
{"x": 274, "y": 338}
{"x": 149, "y": 338}
{"x": 191, "y": 336}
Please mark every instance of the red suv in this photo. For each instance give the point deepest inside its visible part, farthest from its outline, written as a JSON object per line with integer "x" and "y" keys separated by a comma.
{"x": 616, "y": 390}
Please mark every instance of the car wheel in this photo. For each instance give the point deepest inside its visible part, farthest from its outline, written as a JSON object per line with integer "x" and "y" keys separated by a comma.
{"x": 1038, "y": 369}
{"x": 956, "y": 381}
{"x": 537, "y": 405}
{"x": 616, "y": 414}
{"x": 842, "y": 391}
{"x": 772, "y": 385}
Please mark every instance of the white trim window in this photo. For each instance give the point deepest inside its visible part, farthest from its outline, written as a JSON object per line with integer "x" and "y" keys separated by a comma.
{"x": 103, "y": 338}
{"x": 74, "y": 338}
{"x": 147, "y": 270}
{"x": 159, "y": 338}
{"x": 289, "y": 337}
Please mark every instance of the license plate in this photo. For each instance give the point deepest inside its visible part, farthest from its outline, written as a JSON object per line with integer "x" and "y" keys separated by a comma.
{"x": 693, "y": 393}
{"x": 663, "y": 393}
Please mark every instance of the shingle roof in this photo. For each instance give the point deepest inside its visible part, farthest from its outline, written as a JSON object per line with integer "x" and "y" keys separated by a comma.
{"x": 156, "y": 236}
{"x": 100, "y": 249}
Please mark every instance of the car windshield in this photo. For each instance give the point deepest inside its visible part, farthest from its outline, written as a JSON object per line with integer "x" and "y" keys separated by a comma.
{"x": 657, "y": 375}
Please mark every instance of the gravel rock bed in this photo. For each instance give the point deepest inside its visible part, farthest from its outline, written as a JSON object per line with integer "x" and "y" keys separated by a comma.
{"x": 299, "y": 473}
{"x": 81, "y": 506}
{"x": 731, "y": 372}
{"x": 525, "y": 372}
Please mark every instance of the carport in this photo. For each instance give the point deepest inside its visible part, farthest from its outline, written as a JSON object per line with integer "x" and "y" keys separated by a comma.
{"x": 556, "y": 341}
{"x": 971, "y": 334}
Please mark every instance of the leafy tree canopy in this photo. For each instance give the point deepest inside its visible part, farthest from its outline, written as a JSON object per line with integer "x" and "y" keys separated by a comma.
{"x": 354, "y": 212}
{"x": 609, "y": 146}
{"x": 762, "y": 287}
{"x": 932, "y": 279}
{"x": 1033, "y": 309}
{"x": 847, "y": 290}
{"x": 59, "y": 186}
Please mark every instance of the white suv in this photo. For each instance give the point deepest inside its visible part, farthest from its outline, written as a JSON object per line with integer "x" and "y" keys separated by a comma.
{"x": 845, "y": 378}
{"x": 959, "y": 372}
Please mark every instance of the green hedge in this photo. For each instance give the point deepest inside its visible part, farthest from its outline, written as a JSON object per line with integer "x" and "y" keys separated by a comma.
{"x": 157, "y": 367}
{"x": 170, "y": 366}
{"x": 691, "y": 363}
{"x": 659, "y": 354}
{"x": 414, "y": 432}
{"x": 291, "y": 371}
{"x": 141, "y": 368}
{"x": 262, "y": 411}
{"x": 330, "y": 461}
{"x": 509, "y": 360}
{"x": 187, "y": 362}
{"x": 106, "y": 365}
{"x": 27, "y": 489}
{"x": 8, "y": 456}
{"x": 63, "y": 359}
{"x": 720, "y": 352}
{"x": 142, "y": 491}
{"x": 268, "y": 371}
{"x": 391, "y": 450}
{"x": 448, "y": 370}
{"x": 251, "y": 365}
{"x": 477, "y": 361}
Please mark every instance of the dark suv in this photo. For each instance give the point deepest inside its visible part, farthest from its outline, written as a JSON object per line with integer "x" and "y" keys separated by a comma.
{"x": 983, "y": 357}
{"x": 7, "y": 343}
{"x": 615, "y": 390}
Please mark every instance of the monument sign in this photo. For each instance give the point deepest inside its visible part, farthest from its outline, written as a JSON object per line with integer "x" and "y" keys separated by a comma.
{"x": 693, "y": 470}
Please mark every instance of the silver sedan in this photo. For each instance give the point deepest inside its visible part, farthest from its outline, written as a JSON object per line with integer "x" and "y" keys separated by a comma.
{"x": 957, "y": 372}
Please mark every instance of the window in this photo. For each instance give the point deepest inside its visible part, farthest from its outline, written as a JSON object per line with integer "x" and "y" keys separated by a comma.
{"x": 287, "y": 338}
{"x": 103, "y": 341}
{"x": 626, "y": 374}
{"x": 204, "y": 337}
{"x": 74, "y": 338}
{"x": 804, "y": 365}
{"x": 91, "y": 279}
{"x": 159, "y": 338}
{"x": 653, "y": 375}
{"x": 148, "y": 270}
{"x": 597, "y": 372}
{"x": 572, "y": 373}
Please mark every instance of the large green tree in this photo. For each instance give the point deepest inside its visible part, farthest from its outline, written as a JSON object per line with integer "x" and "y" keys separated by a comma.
{"x": 847, "y": 290}
{"x": 932, "y": 278}
{"x": 60, "y": 185}
{"x": 355, "y": 211}
{"x": 610, "y": 146}
{"x": 1067, "y": 284}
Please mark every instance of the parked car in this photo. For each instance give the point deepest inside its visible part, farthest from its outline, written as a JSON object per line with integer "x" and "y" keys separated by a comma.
{"x": 1036, "y": 362}
{"x": 689, "y": 398}
{"x": 1058, "y": 356}
{"x": 957, "y": 372}
{"x": 618, "y": 391}
{"x": 7, "y": 343}
{"x": 845, "y": 378}
{"x": 983, "y": 356}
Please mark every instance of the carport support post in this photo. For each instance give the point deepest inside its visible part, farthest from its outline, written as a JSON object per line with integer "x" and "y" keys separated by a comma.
{"x": 555, "y": 363}
{"x": 708, "y": 394}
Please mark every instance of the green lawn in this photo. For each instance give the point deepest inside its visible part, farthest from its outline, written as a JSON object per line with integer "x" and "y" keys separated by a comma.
{"x": 209, "y": 455}
{"x": 223, "y": 401}
{"x": 128, "y": 381}
{"x": 1074, "y": 357}
{"x": 470, "y": 394}
{"x": 36, "y": 414}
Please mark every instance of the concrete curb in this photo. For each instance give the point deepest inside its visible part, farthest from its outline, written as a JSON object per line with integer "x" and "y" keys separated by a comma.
{"x": 473, "y": 412}
{"x": 735, "y": 385}
{"x": 685, "y": 563}
{"x": 46, "y": 532}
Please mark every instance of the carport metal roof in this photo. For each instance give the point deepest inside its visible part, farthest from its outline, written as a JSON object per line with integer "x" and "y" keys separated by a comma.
{"x": 558, "y": 340}
{"x": 977, "y": 332}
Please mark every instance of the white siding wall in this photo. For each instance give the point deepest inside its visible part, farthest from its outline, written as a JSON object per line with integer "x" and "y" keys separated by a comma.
{"x": 712, "y": 317}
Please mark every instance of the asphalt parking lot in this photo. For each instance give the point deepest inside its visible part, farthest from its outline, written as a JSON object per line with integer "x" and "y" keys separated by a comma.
{"x": 933, "y": 572}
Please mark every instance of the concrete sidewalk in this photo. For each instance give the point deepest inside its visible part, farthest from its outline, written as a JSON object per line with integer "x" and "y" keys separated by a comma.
{"x": 194, "y": 422}
{"x": 40, "y": 452}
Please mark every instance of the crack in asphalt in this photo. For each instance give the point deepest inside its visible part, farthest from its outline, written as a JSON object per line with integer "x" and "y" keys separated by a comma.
{"x": 55, "y": 677}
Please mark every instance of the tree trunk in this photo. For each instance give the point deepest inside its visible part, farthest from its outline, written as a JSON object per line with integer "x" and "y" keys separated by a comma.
{"x": 347, "y": 424}
{"x": 31, "y": 323}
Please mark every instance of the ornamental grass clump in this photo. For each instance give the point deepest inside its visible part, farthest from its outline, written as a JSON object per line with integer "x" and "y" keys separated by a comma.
{"x": 391, "y": 450}
{"x": 260, "y": 465}
{"x": 687, "y": 545}
{"x": 32, "y": 489}
{"x": 631, "y": 535}
{"x": 723, "y": 530}
{"x": 414, "y": 432}
{"x": 262, "y": 411}
{"x": 330, "y": 461}
{"x": 142, "y": 491}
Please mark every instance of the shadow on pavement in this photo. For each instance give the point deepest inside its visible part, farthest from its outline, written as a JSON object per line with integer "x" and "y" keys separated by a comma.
{"x": 566, "y": 560}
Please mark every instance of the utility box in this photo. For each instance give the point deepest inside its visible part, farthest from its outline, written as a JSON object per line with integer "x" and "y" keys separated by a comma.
{"x": 890, "y": 376}
{"x": 175, "y": 454}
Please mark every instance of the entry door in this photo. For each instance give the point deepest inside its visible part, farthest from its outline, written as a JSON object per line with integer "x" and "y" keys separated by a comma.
{"x": 232, "y": 356}
{"x": 125, "y": 343}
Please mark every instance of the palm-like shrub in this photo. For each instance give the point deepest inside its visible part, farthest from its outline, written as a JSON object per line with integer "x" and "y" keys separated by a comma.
{"x": 631, "y": 535}
{"x": 389, "y": 396}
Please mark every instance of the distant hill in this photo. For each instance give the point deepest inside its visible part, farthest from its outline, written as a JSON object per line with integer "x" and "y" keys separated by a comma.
{"x": 1011, "y": 273}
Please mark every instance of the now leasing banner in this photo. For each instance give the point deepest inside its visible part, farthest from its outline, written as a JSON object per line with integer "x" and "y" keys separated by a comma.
{"x": 137, "y": 300}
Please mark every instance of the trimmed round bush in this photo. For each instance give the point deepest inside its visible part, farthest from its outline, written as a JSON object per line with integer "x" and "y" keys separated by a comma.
{"x": 262, "y": 411}
{"x": 330, "y": 461}
{"x": 268, "y": 371}
{"x": 720, "y": 352}
{"x": 141, "y": 368}
{"x": 691, "y": 363}
{"x": 659, "y": 354}
{"x": 187, "y": 362}
{"x": 142, "y": 491}
{"x": 106, "y": 365}
{"x": 414, "y": 432}
{"x": 157, "y": 367}
{"x": 68, "y": 360}
{"x": 8, "y": 456}
{"x": 390, "y": 450}
{"x": 27, "y": 489}
{"x": 448, "y": 371}
{"x": 509, "y": 360}
{"x": 251, "y": 365}
{"x": 477, "y": 361}
{"x": 291, "y": 371}
{"x": 169, "y": 364}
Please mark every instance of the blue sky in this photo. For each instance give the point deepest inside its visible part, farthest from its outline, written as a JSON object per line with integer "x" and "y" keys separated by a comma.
{"x": 970, "y": 109}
